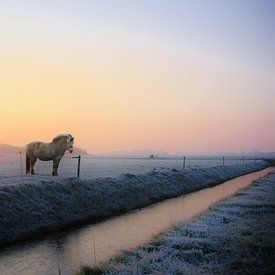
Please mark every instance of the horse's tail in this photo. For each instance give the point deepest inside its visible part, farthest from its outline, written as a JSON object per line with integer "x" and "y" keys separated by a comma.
{"x": 28, "y": 164}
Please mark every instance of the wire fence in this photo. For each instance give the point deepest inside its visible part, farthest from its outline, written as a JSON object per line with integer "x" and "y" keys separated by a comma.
{"x": 93, "y": 167}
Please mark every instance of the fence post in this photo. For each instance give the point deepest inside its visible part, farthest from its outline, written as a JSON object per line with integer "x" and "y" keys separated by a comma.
{"x": 21, "y": 166}
{"x": 223, "y": 161}
{"x": 243, "y": 159}
{"x": 78, "y": 165}
{"x": 183, "y": 164}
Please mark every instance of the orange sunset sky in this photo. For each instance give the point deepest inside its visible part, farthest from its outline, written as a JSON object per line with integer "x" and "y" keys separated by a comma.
{"x": 178, "y": 76}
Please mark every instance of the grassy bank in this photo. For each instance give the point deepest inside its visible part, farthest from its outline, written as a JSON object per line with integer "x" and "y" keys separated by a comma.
{"x": 235, "y": 237}
{"x": 31, "y": 209}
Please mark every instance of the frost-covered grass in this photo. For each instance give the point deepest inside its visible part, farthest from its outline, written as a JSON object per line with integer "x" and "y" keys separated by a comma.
{"x": 42, "y": 204}
{"x": 235, "y": 237}
{"x": 94, "y": 167}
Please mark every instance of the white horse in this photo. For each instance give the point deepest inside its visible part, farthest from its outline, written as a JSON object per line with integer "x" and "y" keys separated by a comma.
{"x": 48, "y": 151}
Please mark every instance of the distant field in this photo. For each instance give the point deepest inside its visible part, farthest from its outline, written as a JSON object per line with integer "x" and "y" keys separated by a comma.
{"x": 92, "y": 167}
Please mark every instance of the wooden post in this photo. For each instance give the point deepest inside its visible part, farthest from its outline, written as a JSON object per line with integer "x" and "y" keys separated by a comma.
{"x": 223, "y": 161}
{"x": 183, "y": 164}
{"x": 78, "y": 165}
{"x": 94, "y": 249}
{"x": 21, "y": 166}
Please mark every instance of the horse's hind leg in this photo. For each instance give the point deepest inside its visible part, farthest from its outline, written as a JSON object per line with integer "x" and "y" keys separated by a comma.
{"x": 32, "y": 161}
{"x": 28, "y": 164}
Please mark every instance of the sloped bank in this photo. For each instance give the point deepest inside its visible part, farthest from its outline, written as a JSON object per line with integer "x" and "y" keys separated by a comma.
{"x": 27, "y": 210}
{"x": 235, "y": 237}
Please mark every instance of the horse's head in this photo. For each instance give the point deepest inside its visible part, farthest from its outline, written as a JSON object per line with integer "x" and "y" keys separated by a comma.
{"x": 70, "y": 142}
{"x": 66, "y": 140}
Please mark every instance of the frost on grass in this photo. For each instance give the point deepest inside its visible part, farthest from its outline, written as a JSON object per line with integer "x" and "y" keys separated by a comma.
{"x": 45, "y": 203}
{"x": 237, "y": 236}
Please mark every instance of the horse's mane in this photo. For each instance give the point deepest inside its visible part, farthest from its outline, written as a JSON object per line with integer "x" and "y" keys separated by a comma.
{"x": 60, "y": 137}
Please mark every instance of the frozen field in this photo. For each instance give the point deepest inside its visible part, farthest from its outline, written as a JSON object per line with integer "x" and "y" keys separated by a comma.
{"x": 91, "y": 167}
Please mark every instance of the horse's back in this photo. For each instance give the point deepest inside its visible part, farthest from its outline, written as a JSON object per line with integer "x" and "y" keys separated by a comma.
{"x": 33, "y": 145}
{"x": 33, "y": 148}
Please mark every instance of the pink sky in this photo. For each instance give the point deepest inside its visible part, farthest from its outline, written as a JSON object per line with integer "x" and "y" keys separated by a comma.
{"x": 171, "y": 76}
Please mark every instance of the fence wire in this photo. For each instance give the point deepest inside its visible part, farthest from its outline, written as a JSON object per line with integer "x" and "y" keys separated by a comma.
{"x": 93, "y": 167}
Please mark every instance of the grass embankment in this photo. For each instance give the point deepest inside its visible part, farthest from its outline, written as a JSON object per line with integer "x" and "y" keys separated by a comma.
{"x": 33, "y": 209}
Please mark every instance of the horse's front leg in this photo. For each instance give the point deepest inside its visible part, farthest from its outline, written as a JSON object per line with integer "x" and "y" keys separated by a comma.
{"x": 55, "y": 166}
